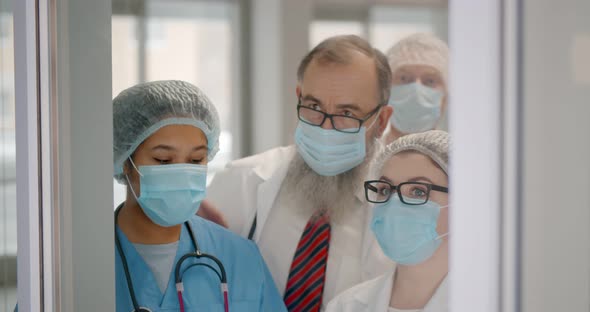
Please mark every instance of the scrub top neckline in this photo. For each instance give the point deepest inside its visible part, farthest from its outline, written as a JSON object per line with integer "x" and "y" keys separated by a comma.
{"x": 146, "y": 288}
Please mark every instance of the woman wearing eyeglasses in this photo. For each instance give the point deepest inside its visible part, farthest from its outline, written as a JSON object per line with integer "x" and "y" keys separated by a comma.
{"x": 410, "y": 222}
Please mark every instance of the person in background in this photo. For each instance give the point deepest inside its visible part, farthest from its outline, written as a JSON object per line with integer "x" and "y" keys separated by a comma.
{"x": 411, "y": 224}
{"x": 166, "y": 257}
{"x": 419, "y": 93}
{"x": 303, "y": 204}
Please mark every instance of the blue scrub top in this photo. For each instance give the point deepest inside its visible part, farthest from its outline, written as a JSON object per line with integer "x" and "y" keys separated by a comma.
{"x": 251, "y": 287}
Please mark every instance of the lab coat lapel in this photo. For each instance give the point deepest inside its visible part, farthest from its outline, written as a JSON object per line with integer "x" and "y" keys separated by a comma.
{"x": 268, "y": 190}
{"x": 375, "y": 298}
{"x": 440, "y": 300}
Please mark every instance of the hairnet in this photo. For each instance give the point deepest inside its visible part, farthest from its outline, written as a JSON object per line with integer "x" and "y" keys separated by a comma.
{"x": 143, "y": 109}
{"x": 420, "y": 49}
{"x": 433, "y": 143}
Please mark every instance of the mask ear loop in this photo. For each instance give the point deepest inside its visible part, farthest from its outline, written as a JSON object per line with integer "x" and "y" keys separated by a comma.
{"x": 129, "y": 181}
{"x": 374, "y": 121}
{"x": 135, "y": 167}
{"x": 447, "y": 233}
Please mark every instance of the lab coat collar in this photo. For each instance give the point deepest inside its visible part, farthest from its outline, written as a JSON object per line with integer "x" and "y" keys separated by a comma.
{"x": 272, "y": 172}
{"x": 376, "y": 298}
{"x": 275, "y": 163}
{"x": 440, "y": 300}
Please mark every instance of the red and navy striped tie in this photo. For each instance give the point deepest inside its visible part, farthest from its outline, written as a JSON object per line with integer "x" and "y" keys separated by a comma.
{"x": 305, "y": 285}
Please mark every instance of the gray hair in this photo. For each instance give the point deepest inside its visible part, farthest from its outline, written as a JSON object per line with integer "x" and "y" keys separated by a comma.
{"x": 336, "y": 195}
{"x": 337, "y": 50}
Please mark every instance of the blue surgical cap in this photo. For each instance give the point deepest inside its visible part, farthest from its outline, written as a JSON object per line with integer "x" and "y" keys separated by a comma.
{"x": 143, "y": 109}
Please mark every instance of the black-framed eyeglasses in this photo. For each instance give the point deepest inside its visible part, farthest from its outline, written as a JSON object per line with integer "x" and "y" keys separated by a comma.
{"x": 410, "y": 193}
{"x": 340, "y": 123}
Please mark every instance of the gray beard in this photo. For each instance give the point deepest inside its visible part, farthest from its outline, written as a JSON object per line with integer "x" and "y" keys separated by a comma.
{"x": 336, "y": 195}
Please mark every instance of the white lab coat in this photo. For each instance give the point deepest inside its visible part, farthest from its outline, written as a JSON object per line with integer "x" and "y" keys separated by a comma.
{"x": 375, "y": 295}
{"x": 249, "y": 187}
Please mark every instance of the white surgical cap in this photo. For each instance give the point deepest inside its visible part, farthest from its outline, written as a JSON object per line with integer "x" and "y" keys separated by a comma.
{"x": 433, "y": 143}
{"x": 420, "y": 49}
{"x": 143, "y": 109}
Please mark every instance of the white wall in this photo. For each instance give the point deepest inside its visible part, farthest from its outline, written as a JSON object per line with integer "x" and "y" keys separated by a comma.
{"x": 475, "y": 86}
{"x": 280, "y": 40}
{"x": 85, "y": 155}
{"x": 521, "y": 206}
{"x": 556, "y": 216}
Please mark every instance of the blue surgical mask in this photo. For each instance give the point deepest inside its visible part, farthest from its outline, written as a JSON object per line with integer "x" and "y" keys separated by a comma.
{"x": 329, "y": 152}
{"x": 170, "y": 194}
{"x": 407, "y": 233}
{"x": 416, "y": 108}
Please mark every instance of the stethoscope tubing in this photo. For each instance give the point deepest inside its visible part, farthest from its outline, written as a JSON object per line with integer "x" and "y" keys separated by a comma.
{"x": 177, "y": 274}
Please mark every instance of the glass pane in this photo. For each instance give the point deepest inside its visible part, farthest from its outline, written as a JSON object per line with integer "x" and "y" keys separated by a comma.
{"x": 191, "y": 41}
{"x": 389, "y": 24}
{"x": 125, "y": 55}
{"x": 414, "y": 193}
{"x": 378, "y": 192}
{"x": 125, "y": 48}
{"x": 322, "y": 29}
{"x": 310, "y": 115}
{"x": 7, "y": 163}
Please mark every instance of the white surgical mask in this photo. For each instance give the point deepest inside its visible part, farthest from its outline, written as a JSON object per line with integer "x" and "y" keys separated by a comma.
{"x": 170, "y": 194}
{"x": 416, "y": 108}
{"x": 407, "y": 234}
{"x": 330, "y": 152}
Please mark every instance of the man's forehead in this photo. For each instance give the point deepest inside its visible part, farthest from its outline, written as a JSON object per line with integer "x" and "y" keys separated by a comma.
{"x": 418, "y": 69}
{"x": 409, "y": 164}
{"x": 337, "y": 101}
{"x": 341, "y": 84}
{"x": 352, "y": 59}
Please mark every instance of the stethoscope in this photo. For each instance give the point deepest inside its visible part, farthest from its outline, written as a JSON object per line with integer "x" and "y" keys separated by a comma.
{"x": 177, "y": 273}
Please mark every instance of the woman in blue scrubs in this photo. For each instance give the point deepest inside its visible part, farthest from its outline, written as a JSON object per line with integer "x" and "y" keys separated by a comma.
{"x": 167, "y": 258}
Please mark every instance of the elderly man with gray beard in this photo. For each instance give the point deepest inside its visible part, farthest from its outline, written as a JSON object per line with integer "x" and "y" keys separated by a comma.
{"x": 303, "y": 205}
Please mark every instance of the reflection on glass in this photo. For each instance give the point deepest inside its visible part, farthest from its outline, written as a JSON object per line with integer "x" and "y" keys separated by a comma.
{"x": 322, "y": 29}
{"x": 385, "y": 25}
{"x": 191, "y": 41}
{"x": 125, "y": 49}
{"x": 389, "y": 24}
{"x": 7, "y": 163}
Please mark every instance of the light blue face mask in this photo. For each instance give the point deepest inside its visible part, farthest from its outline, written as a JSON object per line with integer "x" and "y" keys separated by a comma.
{"x": 329, "y": 152}
{"x": 170, "y": 194}
{"x": 416, "y": 108}
{"x": 406, "y": 233}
